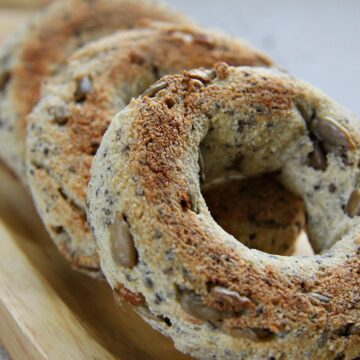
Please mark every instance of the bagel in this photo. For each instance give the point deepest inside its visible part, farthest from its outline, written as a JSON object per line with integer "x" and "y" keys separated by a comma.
{"x": 259, "y": 212}
{"x": 156, "y": 237}
{"x": 67, "y": 125}
{"x": 41, "y": 48}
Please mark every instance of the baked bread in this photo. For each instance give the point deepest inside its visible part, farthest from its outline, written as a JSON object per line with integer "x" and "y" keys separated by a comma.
{"x": 41, "y": 48}
{"x": 66, "y": 127}
{"x": 216, "y": 297}
{"x": 259, "y": 212}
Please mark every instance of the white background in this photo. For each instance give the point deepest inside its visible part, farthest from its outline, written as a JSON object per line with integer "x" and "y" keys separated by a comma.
{"x": 318, "y": 40}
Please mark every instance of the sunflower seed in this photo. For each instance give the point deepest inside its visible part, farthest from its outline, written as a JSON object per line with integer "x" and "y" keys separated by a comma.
{"x": 330, "y": 131}
{"x": 253, "y": 334}
{"x": 193, "y": 305}
{"x": 320, "y": 297}
{"x": 195, "y": 85}
{"x": 232, "y": 297}
{"x": 201, "y": 74}
{"x": 317, "y": 159}
{"x": 122, "y": 244}
{"x": 153, "y": 89}
{"x": 353, "y": 204}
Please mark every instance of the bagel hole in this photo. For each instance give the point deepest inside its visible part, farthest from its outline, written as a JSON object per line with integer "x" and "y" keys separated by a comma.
{"x": 260, "y": 213}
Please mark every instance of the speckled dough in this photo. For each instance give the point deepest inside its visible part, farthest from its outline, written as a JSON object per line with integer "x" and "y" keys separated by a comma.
{"x": 66, "y": 127}
{"x": 216, "y": 297}
{"x": 43, "y": 45}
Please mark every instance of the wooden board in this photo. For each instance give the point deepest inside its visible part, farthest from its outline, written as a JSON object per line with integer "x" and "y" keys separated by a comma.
{"x": 47, "y": 310}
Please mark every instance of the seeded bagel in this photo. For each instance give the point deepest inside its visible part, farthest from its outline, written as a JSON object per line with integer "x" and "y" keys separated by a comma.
{"x": 66, "y": 127}
{"x": 259, "y": 212}
{"x": 218, "y": 298}
{"x": 41, "y": 48}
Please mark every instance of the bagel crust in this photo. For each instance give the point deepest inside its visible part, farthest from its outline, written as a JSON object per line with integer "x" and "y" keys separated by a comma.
{"x": 66, "y": 127}
{"x": 156, "y": 237}
{"x": 42, "y": 47}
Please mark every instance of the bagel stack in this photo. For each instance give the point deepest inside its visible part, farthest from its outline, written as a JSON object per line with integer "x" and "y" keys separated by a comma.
{"x": 206, "y": 167}
{"x": 116, "y": 69}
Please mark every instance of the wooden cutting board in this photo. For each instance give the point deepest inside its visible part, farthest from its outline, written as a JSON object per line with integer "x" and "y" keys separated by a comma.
{"x": 47, "y": 310}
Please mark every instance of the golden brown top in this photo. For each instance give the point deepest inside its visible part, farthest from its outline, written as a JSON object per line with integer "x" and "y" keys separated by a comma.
{"x": 163, "y": 132}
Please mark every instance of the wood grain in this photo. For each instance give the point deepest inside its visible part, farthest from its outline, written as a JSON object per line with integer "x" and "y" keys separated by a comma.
{"x": 49, "y": 311}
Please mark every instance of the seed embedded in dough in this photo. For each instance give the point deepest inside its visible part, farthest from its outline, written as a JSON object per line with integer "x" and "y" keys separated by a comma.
{"x": 193, "y": 305}
{"x": 195, "y": 85}
{"x": 253, "y": 334}
{"x": 232, "y": 297}
{"x": 330, "y": 131}
{"x": 201, "y": 74}
{"x": 353, "y": 204}
{"x": 83, "y": 87}
{"x": 317, "y": 159}
{"x": 320, "y": 297}
{"x": 122, "y": 244}
{"x": 348, "y": 329}
{"x": 153, "y": 89}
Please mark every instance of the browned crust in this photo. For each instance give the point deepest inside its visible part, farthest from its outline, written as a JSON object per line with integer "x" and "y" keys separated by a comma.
{"x": 161, "y": 133}
{"x": 87, "y": 124}
{"x": 70, "y": 215}
{"x": 58, "y": 33}
{"x": 131, "y": 55}
{"x": 44, "y": 45}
